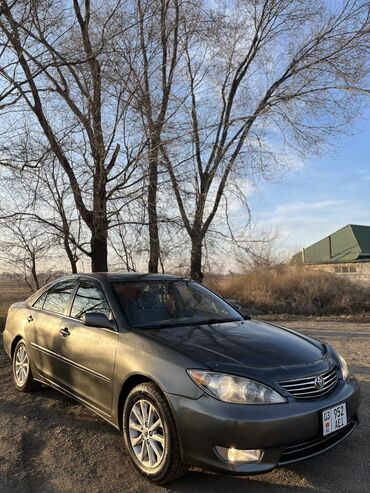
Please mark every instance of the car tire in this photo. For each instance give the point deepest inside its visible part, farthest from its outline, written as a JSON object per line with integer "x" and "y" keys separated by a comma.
{"x": 22, "y": 372}
{"x": 153, "y": 445}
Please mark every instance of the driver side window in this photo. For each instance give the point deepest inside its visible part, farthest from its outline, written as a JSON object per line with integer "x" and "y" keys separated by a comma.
{"x": 89, "y": 298}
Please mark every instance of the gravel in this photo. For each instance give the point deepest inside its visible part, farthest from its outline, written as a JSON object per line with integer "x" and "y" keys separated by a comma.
{"x": 49, "y": 443}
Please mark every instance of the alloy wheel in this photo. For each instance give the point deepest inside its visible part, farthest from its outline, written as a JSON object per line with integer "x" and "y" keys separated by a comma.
{"x": 147, "y": 435}
{"x": 22, "y": 366}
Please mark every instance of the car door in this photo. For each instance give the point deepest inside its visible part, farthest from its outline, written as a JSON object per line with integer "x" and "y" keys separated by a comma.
{"x": 42, "y": 327}
{"x": 88, "y": 353}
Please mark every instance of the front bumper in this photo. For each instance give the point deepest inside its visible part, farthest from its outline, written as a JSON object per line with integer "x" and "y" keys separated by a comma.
{"x": 286, "y": 432}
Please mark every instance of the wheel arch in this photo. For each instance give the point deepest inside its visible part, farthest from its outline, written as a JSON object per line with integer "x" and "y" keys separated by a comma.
{"x": 14, "y": 344}
{"x": 132, "y": 381}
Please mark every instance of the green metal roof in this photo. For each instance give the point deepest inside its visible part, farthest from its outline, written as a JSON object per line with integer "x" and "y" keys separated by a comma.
{"x": 349, "y": 244}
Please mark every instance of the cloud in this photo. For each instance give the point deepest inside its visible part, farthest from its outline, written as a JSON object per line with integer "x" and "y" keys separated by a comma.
{"x": 364, "y": 174}
{"x": 301, "y": 223}
{"x": 303, "y": 206}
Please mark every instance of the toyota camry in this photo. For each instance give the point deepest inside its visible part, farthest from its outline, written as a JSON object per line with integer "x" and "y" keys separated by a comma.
{"x": 187, "y": 379}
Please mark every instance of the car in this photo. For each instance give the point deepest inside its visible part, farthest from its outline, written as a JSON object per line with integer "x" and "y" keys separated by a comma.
{"x": 183, "y": 374}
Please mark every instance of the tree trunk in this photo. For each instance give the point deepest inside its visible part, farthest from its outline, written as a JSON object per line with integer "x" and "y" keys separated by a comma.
{"x": 72, "y": 259}
{"x": 196, "y": 258}
{"x": 99, "y": 254}
{"x": 34, "y": 272}
{"x": 154, "y": 247}
{"x": 73, "y": 263}
{"x": 99, "y": 223}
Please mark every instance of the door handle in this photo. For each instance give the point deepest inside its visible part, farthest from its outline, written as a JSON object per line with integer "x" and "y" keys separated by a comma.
{"x": 65, "y": 332}
{"x": 30, "y": 319}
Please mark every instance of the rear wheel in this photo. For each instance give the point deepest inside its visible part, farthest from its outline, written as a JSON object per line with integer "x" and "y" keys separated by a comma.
{"x": 22, "y": 372}
{"x": 151, "y": 436}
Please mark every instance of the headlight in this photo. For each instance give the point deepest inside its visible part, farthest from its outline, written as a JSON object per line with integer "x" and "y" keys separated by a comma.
{"x": 343, "y": 367}
{"x": 237, "y": 390}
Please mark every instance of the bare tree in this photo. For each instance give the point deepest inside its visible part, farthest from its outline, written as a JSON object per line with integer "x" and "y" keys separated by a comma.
{"x": 150, "y": 48}
{"x": 174, "y": 102}
{"x": 262, "y": 76}
{"x": 23, "y": 249}
{"x": 42, "y": 196}
{"x": 60, "y": 67}
{"x": 53, "y": 193}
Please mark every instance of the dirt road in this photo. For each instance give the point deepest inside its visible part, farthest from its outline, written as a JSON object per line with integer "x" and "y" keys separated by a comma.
{"x": 49, "y": 443}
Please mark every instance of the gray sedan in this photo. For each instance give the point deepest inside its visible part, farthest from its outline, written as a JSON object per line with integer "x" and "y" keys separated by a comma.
{"x": 182, "y": 373}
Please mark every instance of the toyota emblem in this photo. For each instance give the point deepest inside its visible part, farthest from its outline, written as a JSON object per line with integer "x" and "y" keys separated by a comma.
{"x": 319, "y": 382}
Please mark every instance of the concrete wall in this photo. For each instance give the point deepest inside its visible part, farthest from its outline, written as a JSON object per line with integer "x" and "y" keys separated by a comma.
{"x": 355, "y": 271}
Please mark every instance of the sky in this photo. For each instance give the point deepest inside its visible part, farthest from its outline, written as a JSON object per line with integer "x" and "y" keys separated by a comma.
{"x": 320, "y": 195}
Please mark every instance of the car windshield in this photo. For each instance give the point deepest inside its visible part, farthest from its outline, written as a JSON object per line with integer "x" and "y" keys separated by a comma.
{"x": 149, "y": 304}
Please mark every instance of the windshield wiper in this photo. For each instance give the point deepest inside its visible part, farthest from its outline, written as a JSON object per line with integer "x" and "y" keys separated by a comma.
{"x": 173, "y": 324}
{"x": 161, "y": 325}
{"x": 210, "y": 321}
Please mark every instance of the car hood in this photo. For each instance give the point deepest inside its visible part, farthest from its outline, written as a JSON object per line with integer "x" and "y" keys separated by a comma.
{"x": 243, "y": 344}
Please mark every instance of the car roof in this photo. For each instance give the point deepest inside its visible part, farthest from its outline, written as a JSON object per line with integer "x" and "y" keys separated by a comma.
{"x": 125, "y": 276}
{"x": 107, "y": 277}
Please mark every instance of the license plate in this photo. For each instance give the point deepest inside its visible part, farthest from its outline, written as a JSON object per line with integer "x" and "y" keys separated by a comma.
{"x": 334, "y": 418}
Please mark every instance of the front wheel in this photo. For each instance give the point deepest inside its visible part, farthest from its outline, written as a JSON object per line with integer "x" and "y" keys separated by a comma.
{"x": 150, "y": 435}
{"x": 22, "y": 372}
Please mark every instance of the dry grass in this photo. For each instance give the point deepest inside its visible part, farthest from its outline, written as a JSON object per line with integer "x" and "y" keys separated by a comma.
{"x": 11, "y": 292}
{"x": 294, "y": 291}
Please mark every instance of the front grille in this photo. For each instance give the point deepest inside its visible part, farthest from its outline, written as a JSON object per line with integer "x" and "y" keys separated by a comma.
{"x": 304, "y": 450}
{"x": 306, "y": 388}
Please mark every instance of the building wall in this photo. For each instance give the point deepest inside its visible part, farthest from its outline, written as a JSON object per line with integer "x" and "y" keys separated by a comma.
{"x": 355, "y": 271}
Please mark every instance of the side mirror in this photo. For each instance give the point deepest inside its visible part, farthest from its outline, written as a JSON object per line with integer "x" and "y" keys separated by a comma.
{"x": 95, "y": 319}
{"x": 238, "y": 308}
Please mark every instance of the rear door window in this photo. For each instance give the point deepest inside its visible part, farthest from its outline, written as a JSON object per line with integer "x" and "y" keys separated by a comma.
{"x": 40, "y": 302}
{"x": 58, "y": 296}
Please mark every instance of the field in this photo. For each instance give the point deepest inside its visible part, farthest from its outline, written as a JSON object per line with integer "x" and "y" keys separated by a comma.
{"x": 293, "y": 291}
{"x": 10, "y": 292}
{"x": 51, "y": 444}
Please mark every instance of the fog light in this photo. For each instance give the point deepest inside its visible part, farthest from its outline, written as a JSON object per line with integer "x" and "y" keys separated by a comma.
{"x": 234, "y": 455}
